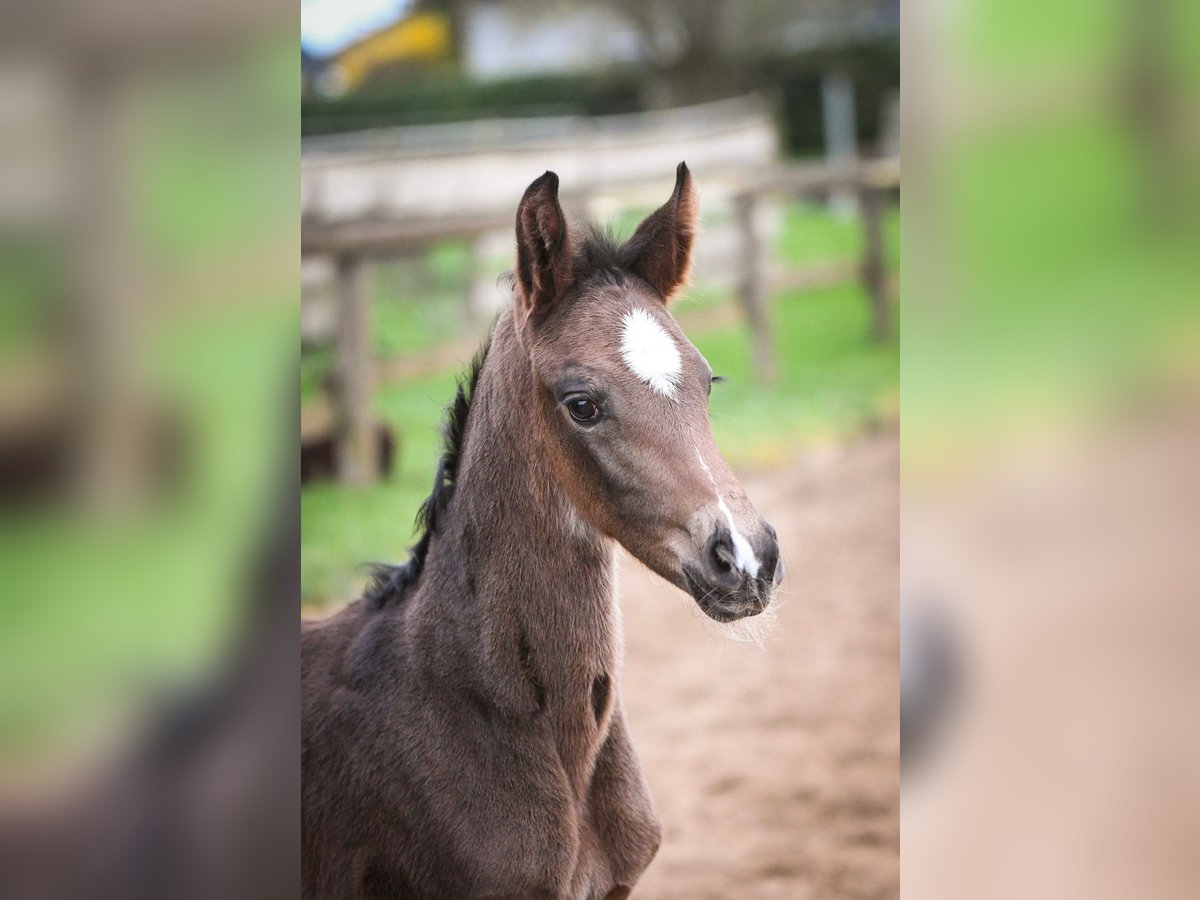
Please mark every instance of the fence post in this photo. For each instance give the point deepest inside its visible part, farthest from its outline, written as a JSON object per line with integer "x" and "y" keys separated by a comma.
{"x": 753, "y": 292}
{"x": 354, "y": 426}
{"x": 874, "y": 268}
{"x": 839, "y": 119}
{"x": 108, "y": 412}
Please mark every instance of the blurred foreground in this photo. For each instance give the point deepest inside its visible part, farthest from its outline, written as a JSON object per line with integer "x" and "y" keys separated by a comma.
{"x": 1051, "y": 488}
{"x": 148, "y": 523}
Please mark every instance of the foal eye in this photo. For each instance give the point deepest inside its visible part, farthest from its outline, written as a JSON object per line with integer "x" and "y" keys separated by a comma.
{"x": 583, "y": 409}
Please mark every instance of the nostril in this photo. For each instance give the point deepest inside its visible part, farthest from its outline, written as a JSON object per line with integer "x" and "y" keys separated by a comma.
{"x": 720, "y": 554}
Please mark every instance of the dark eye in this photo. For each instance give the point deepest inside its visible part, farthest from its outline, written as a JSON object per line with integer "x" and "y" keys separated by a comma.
{"x": 583, "y": 409}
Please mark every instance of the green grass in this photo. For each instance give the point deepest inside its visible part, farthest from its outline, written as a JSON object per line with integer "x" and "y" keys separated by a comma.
{"x": 833, "y": 382}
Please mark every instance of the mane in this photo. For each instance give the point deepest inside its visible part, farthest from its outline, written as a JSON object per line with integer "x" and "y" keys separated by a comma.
{"x": 390, "y": 582}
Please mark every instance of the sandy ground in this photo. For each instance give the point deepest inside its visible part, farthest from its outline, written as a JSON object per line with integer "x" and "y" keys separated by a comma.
{"x": 775, "y": 770}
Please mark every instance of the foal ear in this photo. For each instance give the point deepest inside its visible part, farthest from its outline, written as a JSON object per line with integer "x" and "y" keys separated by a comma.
{"x": 661, "y": 248}
{"x": 543, "y": 246}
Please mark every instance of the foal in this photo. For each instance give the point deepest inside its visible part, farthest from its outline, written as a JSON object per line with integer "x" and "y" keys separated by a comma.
{"x": 462, "y": 730}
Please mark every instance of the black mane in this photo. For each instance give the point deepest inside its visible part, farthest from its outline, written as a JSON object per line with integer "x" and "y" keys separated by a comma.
{"x": 392, "y": 582}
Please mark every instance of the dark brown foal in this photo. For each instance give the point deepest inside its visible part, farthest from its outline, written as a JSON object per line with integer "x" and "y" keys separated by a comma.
{"x": 462, "y": 726}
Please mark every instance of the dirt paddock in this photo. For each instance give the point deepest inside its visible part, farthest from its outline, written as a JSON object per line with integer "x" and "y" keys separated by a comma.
{"x": 775, "y": 771}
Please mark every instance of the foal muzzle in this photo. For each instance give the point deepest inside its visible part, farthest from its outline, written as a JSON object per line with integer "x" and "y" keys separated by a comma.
{"x": 735, "y": 577}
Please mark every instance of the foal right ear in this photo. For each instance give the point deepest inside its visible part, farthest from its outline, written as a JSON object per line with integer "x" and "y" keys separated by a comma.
{"x": 543, "y": 246}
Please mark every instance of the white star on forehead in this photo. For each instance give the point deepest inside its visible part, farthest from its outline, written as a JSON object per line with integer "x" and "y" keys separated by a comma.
{"x": 650, "y": 352}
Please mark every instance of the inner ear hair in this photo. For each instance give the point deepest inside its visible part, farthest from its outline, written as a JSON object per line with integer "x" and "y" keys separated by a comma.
{"x": 660, "y": 250}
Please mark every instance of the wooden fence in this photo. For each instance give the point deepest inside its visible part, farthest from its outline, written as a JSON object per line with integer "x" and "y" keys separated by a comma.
{"x": 871, "y": 182}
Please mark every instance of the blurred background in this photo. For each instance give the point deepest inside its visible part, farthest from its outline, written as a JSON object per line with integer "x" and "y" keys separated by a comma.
{"x": 775, "y": 770}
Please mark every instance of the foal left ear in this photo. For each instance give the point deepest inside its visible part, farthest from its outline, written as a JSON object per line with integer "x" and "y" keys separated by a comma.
{"x": 662, "y": 245}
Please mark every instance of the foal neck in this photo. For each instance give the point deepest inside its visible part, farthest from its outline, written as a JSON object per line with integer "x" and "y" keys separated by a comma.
{"x": 532, "y": 570}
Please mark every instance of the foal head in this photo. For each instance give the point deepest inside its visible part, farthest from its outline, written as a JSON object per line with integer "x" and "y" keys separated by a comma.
{"x": 623, "y": 400}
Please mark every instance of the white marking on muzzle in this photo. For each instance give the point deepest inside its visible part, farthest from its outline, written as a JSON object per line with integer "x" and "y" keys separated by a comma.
{"x": 743, "y": 553}
{"x": 650, "y": 352}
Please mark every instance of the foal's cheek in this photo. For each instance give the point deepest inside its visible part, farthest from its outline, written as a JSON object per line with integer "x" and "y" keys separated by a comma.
{"x": 583, "y": 476}
{"x": 608, "y": 480}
